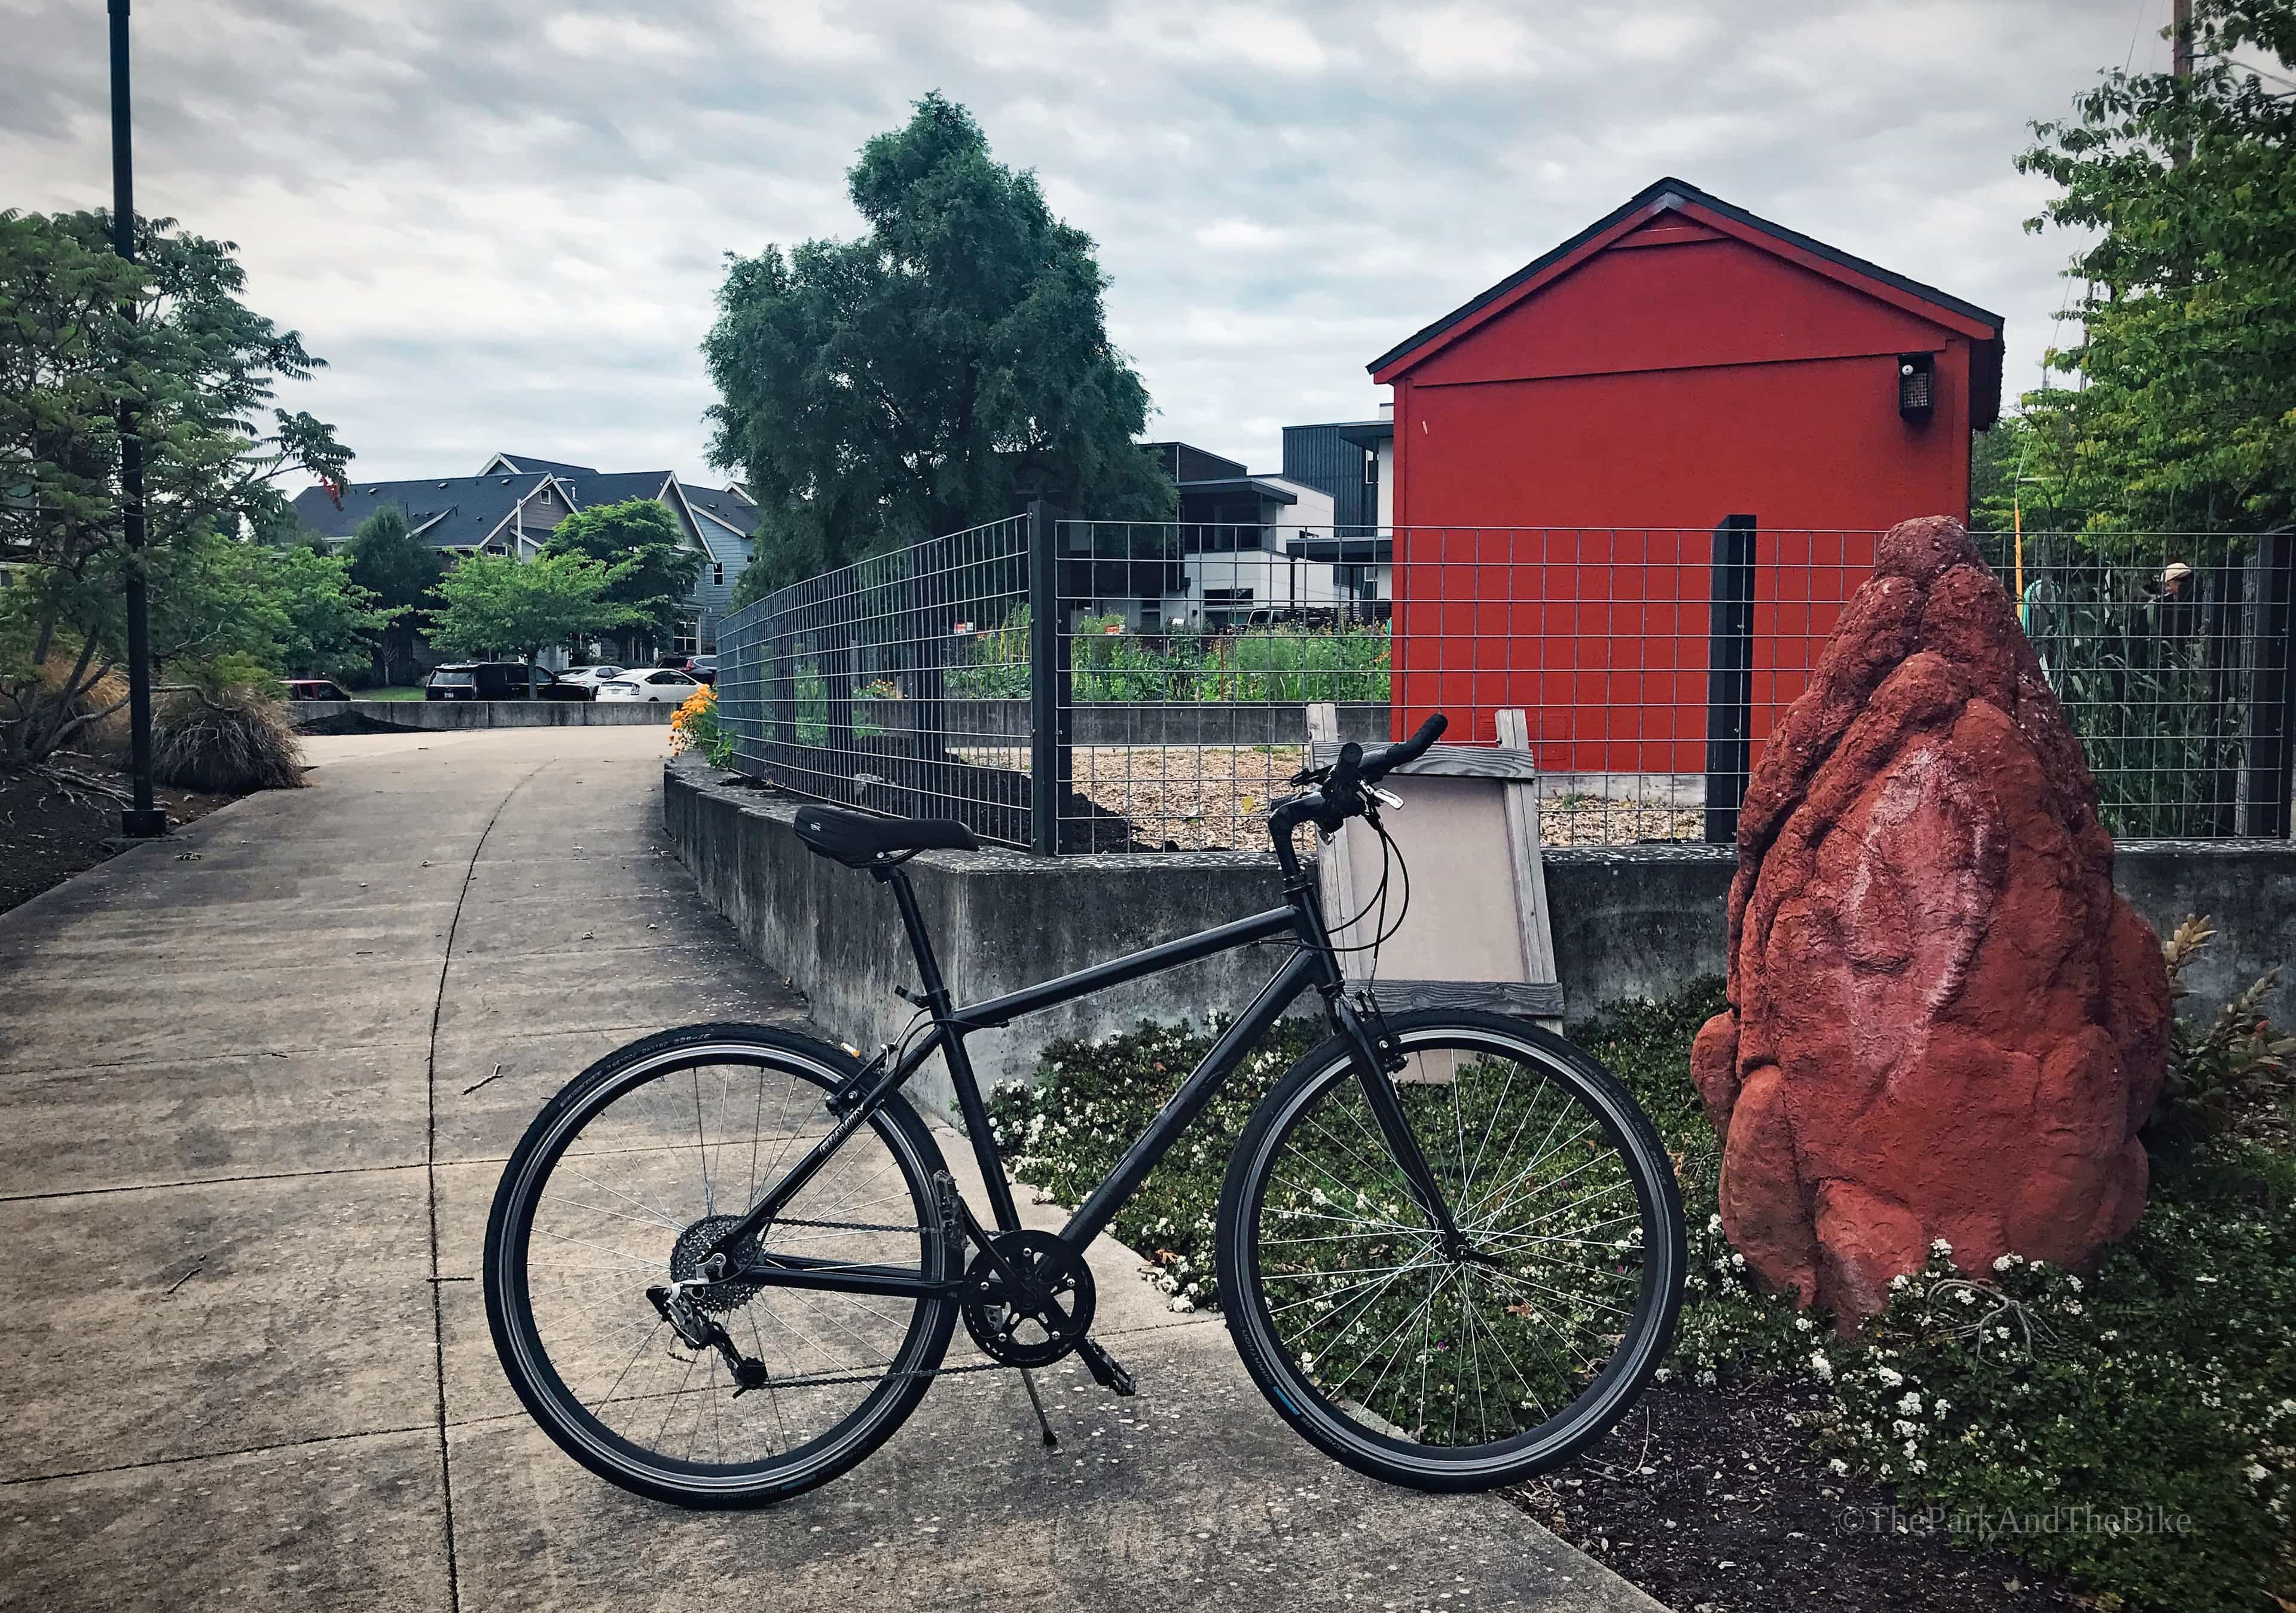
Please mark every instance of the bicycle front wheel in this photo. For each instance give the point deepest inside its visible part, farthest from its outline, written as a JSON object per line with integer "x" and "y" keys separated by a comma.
{"x": 1413, "y": 1363}
{"x": 622, "y": 1183}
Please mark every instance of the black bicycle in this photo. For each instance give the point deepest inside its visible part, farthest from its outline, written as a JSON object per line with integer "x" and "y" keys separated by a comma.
{"x": 726, "y": 1262}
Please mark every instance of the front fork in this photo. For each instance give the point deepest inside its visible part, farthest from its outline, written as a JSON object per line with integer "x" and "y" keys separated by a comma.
{"x": 1375, "y": 1059}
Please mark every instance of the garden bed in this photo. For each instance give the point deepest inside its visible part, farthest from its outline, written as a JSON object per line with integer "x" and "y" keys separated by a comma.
{"x": 2136, "y": 1427}
{"x": 47, "y": 836}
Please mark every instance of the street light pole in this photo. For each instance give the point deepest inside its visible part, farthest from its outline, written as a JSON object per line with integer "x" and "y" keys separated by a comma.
{"x": 143, "y": 820}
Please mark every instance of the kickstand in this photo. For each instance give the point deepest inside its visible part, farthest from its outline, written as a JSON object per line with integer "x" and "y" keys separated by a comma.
{"x": 1029, "y": 1382}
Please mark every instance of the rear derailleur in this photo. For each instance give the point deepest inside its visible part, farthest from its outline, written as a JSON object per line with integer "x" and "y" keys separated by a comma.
{"x": 700, "y": 1330}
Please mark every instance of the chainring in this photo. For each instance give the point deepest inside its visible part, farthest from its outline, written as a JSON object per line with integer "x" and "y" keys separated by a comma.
{"x": 1050, "y": 1315}
{"x": 692, "y": 1246}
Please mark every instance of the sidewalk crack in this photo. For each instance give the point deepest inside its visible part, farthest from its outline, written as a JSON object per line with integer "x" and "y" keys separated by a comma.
{"x": 431, "y": 1174}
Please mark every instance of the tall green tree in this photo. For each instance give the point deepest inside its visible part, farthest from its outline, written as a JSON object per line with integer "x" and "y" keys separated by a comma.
{"x": 2184, "y": 417}
{"x": 402, "y": 572}
{"x": 654, "y": 568}
{"x": 931, "y": 375}
{"x": 82, "y": 332}
{"x": 493, "y": 605}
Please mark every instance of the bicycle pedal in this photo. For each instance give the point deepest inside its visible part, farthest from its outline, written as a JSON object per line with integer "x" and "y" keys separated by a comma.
{"x": 1106, "y": 1371}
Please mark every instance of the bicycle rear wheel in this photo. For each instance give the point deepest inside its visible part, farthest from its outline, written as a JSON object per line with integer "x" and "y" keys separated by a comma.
{"x": 621, "y": 1183}
{"x": 1385, "y": 1351}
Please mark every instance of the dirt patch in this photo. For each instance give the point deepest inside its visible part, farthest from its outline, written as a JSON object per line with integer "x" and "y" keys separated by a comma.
{"x": 47, "y": 836}
{"x": 1712, "y": 1502}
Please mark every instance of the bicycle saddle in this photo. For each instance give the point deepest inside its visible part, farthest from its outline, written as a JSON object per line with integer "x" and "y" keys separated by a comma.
{"x": 858, "y": 839}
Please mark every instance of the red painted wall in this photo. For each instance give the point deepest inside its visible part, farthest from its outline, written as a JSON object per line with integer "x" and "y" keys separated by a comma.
{"x": 1582, "y": 445}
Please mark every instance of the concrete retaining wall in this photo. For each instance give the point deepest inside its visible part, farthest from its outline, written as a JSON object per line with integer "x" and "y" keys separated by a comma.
{"x": 1629, "y": 921}
{"x": 999, "y": 921}
{"x": 1639, "y": 920}
{"x": 318, "y": 717}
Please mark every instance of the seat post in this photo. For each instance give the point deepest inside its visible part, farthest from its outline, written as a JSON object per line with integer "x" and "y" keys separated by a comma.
{"x": 936, "y": 990}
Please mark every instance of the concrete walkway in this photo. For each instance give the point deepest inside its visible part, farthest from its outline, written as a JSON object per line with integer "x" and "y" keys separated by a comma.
{"x": 256, "y": 1085}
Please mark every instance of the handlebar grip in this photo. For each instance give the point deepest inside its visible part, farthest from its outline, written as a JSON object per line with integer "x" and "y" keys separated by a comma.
{"x": 1414, "y": 748}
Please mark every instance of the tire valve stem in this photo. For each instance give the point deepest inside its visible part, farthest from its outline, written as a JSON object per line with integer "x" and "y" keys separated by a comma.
{"x": 1029, "y": 1382}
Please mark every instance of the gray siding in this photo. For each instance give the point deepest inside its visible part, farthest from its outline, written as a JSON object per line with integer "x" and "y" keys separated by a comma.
{"x": 1327, "y": 461}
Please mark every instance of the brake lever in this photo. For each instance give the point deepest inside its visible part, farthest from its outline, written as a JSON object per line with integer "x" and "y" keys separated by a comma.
{"x": 1385, "y": 798}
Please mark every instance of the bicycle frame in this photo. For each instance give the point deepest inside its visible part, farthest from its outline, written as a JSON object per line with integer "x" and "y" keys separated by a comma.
{"x": 1313, "y": 963}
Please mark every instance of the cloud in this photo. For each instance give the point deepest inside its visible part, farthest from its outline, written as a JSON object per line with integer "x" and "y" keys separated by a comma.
{"x": 504, "y": 223}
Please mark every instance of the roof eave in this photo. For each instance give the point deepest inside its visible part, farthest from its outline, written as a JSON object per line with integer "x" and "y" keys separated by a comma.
{"x": 1979, "y": 324}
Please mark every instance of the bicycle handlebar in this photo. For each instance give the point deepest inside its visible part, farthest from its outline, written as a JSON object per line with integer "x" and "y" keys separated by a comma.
{"x": 1341, "y": 796}
{"x": 1376, "y": 768}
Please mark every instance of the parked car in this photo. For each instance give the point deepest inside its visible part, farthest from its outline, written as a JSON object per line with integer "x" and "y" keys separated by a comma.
{"x": 589, "y": 678}
{"x": 653, "y": 685}
{"x": 701, "y": 669}
{"x": 316, "y": 689}
{"x": 498, "y": 681}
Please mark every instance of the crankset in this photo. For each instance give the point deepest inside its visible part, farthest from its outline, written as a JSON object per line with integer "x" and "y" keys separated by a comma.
{"x": 1038, "y": 1315}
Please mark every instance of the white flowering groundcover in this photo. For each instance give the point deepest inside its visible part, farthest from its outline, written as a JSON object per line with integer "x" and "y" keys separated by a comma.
{"x": 2162, "y": 1388}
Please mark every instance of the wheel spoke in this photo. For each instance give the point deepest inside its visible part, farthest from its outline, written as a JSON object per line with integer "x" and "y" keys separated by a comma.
{"x": 1382, "y": 1329}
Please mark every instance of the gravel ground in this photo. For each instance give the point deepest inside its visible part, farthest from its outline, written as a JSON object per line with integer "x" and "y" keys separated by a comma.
{"x": 1215, "y": 798}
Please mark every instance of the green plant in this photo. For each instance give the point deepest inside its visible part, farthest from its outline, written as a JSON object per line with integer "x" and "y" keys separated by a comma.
{"x": 2231, "y": 1072}
{"x": 492, "y": 602}
{"x": 1092, "y": 1099}
{"x": 2133, "y": 1428}
{"x": 226, "y": 742}
{"x": 928, "y": 375}
{"x": 651, "y": 570}
{"x": 84, "y": 335}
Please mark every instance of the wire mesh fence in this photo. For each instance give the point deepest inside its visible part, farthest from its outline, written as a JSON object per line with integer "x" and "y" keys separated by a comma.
{"x": 1080, "y": 685}
{"x": 883, "y": 683}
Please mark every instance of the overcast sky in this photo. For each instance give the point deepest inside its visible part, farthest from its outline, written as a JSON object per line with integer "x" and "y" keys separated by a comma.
{"x": 503, "y": 223}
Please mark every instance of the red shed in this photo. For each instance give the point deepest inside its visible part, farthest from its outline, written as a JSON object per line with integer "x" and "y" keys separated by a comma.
{"x": 1675, "y": 365}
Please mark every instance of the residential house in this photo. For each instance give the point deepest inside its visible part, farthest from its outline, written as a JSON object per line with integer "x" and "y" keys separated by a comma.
{"x": 517, "y": 500}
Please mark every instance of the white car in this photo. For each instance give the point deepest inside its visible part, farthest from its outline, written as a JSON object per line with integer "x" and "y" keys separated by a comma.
{"x": 657, "y": 685}
{"x": 589, "y": 678}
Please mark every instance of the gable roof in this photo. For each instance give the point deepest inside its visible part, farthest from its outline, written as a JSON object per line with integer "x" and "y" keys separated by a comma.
{"x": 723, "y": 505}
{"x": 527, "y": 462}
{"x": 450, "y": 513}
{"x": 1981, "y": 326}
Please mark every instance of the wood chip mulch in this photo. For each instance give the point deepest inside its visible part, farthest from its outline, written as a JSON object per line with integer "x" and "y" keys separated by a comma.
{"x": 1215, "y": 798}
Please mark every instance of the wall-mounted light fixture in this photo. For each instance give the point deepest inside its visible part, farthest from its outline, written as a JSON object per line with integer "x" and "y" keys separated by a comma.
{"x": 1916, "y": 384}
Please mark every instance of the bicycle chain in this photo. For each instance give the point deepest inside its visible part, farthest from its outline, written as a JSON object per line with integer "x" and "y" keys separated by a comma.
{"x": 830, "y": 1380}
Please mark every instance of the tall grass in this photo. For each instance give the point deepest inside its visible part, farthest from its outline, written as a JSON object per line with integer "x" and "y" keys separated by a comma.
{"x": 1283, "y": 664}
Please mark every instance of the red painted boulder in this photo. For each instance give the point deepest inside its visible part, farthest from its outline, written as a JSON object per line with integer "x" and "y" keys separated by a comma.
{"x": 1945, "y": 1023}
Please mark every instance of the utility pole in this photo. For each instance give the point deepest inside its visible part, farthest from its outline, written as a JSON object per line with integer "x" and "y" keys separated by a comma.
{"x": 2180, "y": 41}
{"x": 143, "y": 820}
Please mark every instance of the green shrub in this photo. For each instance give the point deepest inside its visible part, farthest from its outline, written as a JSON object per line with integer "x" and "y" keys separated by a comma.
{"x": 1093, "y": 1098}
{"x": 2164, "y": 1382}
{"x": 226, "y": 743}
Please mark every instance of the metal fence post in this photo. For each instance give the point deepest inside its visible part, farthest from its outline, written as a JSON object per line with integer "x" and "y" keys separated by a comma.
{"x": 2272, "y": 710}
{"x": 1050, "y": 708}
{"x": 784, "y": 694}
{"x": 1729, "y": 676}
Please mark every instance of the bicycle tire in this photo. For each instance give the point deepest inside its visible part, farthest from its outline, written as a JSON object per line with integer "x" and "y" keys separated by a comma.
{"x": 1286, "y": 1370}
{"x": 578, "y": 1428}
